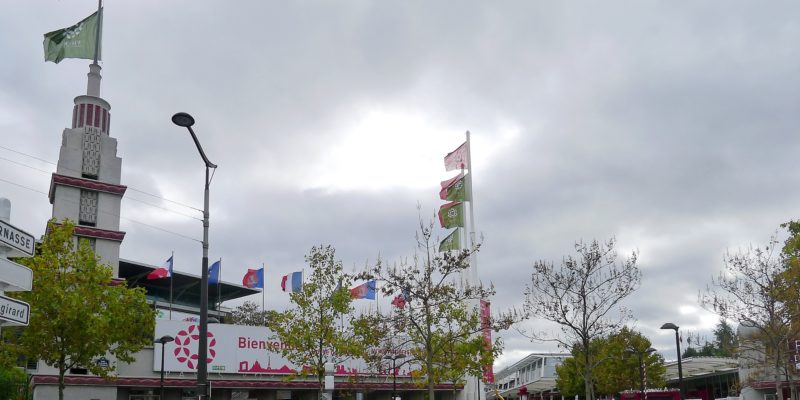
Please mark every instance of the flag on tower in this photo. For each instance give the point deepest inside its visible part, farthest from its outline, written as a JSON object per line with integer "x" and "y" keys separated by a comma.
{"x": 164, "y": 271}
{"x": 454, "y": 189}
{"x": 77, "y": 41}
{"x": 254, "y": 278}
{"x": 451, "y": 242}
{"x": 451, "y": 215}
{"x": 457, "y": 159}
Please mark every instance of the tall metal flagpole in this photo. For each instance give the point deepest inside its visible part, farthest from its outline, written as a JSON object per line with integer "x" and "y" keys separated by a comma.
{"x": 219, "y": 286}
{"x": 98, "y": 27}
{"x": 171, "y": 277}
{"x": 473, "y": 259}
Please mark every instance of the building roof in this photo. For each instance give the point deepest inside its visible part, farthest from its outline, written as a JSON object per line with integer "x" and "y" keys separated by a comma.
{"x": 185, "y": 286}
{"x": 695, "y": 367}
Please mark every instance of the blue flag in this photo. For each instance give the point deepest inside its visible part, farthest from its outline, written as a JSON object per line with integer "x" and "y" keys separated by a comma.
{"x": 364, "y": 291}
{"x": 213, "y": 272}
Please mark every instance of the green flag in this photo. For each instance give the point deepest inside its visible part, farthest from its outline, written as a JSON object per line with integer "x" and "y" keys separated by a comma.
{"x": 451, "y": 242}
{"x": 451, "y": 215}
{"x": 454, "y": 189}
{"x": 77, "y": 41}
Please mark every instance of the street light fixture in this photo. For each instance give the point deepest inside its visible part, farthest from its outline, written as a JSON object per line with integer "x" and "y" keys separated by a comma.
{"x": 394, "y": 359}
{"x": 163, "y": 340}
{"x": 185, "y": 120}
{"x": 640, "y": 354}
{"x": 670, "y": 325}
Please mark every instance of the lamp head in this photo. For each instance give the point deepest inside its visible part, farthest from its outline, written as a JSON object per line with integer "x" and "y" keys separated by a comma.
{"x": 670, "y": 325}
{"x": 183, "y": 119}
{"x": 165, "y": 339}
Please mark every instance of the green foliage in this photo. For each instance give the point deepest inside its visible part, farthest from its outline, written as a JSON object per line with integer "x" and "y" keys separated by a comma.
{"x": 617, "y": 367}
{"x": 249, "y": 313}
{"x": 77, "y": 314}
{"x": 13, "y": 383}
{"x": 725, "y": 343}
{"x": 321, "y": 325}
{"x": 440, "y": 318}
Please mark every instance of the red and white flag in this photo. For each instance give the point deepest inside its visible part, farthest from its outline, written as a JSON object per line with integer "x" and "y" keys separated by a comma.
{"x": 457, "y": 159}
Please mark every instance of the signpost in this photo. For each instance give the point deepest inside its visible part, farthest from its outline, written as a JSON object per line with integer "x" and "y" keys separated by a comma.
{"x": 14, "y": 242}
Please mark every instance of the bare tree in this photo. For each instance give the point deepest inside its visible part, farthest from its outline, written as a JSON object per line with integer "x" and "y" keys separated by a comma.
{"x": 753, "y": 289}
{"x": 580, "y": 294}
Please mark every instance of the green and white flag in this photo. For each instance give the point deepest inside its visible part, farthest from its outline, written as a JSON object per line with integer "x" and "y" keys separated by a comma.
{"x": 451, "y": 242}
{"x": 451, "y": 215}
{"x": 454, "y": 189}
{"x": 77, "y": 41}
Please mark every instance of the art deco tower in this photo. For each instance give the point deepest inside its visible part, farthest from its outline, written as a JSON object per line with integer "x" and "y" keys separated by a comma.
{"x": 86, "y": 186}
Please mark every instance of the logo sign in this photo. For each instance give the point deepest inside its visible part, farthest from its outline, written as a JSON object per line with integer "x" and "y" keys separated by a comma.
{"x": 14, "y": 312}
{"x": 16, "y": 239}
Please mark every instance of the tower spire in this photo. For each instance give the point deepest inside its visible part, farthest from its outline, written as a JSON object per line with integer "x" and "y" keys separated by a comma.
{"x": 93, "y": 85}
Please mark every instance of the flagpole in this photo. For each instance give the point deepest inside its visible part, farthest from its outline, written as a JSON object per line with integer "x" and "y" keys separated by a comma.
{"x": 171, "y": 278}
{"x": 263, "y": 273}
{"x": 219, "y": 285}
{"x": 473, "y": 273}
{"x": 97, "y": 30}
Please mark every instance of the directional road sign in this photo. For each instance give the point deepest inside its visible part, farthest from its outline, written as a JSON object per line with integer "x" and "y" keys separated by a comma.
{"x": 14, "y": 312}
{"x": 15, "y": 277}
{"x": 18, "y": 242}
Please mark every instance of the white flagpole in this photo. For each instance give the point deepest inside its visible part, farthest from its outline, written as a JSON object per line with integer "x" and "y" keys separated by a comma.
{"x": 263, "y": 285}
{"x": 171, "y": 278}
{"x": 473, "y": 273}
{"x": 219, "y": 285}
{"x": 97, "y": 29}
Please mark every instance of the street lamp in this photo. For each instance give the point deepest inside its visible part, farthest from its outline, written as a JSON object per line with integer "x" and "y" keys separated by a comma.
{"x": 394, "y": 359}
{"x": 163, "y": 340}
{"x": 186, "y": 120}
{"x": 640, "y": 355}
{"x": 670, "y": 325}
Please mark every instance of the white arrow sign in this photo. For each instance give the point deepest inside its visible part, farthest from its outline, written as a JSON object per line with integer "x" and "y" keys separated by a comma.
{"x": 20, "y": 243}
{"x": 14, "y": 312}
{"x": 15, "y": 277}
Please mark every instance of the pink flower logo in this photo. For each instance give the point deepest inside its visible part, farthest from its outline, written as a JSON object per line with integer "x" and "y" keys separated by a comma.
{"x": 183, "y": 340}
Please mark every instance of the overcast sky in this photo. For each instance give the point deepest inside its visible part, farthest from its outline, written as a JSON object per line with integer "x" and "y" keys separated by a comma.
{"x": 671, "y": 126}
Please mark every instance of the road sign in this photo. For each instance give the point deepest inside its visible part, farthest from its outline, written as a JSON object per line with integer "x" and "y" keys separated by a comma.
{"x": 14, "y": 312}
{"x": 15, "y": 277}
{"x": 20, "y": 243}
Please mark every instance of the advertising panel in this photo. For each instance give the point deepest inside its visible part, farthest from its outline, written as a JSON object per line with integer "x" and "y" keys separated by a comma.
{"x": 237, "y": 349}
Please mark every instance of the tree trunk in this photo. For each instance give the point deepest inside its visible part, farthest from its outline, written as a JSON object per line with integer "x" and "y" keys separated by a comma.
{"x": 61, "y": 372}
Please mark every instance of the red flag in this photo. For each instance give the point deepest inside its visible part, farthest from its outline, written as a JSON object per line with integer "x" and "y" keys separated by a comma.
{"x": 457, "y": 159}
{"x": 399, "y": 301}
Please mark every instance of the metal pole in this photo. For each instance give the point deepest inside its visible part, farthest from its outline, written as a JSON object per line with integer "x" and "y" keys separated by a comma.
{"x": 641, "y": 377}
{"x": 394, "y": 379}
{"x": 680, "y": 368}
{"x": 202, "y": 362}
{"x": 161, "y": 392}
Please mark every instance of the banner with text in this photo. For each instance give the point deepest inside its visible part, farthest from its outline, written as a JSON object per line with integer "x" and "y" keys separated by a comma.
{"x": 239, "y": 349}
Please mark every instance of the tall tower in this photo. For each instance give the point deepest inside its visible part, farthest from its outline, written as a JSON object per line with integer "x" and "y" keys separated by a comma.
{"x": 86, "y": 185}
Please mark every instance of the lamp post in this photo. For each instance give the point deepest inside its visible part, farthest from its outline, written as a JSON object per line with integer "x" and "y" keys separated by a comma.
{"x": 670, "y": 325}
{"x": 163, "y": 340}
{"x": 394, "y": 359}
{"x": 186, "y": 120}
{"x": 640, "y": 356}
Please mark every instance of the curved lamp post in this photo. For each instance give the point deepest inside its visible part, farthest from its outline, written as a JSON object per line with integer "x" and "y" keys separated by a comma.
{"x": 640, "y": 354}
{"x": 670, "y": 325}
{"x": 394, "y": 359}
{"x": 185, "y": 120}
{"x": 163, "y": 340}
